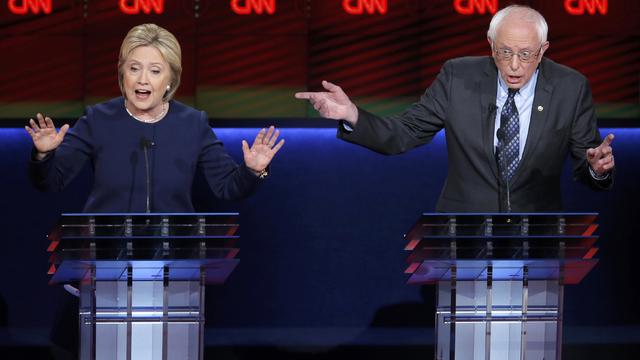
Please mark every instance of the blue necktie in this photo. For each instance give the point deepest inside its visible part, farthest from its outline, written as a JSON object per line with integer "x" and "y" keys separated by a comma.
{"x": 509, "y": 145}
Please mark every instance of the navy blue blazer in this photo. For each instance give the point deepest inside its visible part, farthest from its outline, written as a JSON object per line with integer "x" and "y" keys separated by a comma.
{"x": 110, "y": 139}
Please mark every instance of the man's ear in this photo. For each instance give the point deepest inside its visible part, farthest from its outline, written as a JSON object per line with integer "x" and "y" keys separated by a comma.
{"x": 544, "y": 47}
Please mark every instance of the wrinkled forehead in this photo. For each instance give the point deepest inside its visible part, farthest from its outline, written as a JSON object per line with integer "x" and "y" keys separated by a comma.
{"x": 517, "y": 31}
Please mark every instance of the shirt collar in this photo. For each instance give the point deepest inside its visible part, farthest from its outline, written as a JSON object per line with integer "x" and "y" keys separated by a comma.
{"x": 527, "y": 90}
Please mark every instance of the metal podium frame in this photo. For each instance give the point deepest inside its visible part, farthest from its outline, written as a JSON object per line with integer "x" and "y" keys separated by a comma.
{"x": 500, "y": 279}
{"x": 142, "y": 278}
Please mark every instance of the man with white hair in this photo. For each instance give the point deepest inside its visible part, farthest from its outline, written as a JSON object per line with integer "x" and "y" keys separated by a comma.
{"x": 510, "y": 120}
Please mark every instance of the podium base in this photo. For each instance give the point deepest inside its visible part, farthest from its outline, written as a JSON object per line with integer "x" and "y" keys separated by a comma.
{"x": 142, "y": 319}
{"x": 504, "y": 319}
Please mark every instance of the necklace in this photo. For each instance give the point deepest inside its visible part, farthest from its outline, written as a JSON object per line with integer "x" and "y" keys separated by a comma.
{"x": 157, "y": 118}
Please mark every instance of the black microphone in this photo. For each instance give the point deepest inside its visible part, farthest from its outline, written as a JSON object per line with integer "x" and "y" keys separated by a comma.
{"x": 146, "y": 145}
{"x": 500, "y": 134}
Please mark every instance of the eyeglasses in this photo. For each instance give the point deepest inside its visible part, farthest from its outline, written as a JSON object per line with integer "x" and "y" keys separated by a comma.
{"x": 526, "y": 56}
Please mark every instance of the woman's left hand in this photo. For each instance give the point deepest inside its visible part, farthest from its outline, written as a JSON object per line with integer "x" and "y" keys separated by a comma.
{"x": 264, "y": 148}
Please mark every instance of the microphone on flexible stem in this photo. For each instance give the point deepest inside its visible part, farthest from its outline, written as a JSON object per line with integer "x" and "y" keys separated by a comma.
{"x": 503, "y": 166}
{"x": 146, "y": 145}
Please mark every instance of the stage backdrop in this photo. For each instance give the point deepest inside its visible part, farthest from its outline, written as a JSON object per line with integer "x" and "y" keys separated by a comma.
{"x": 245, "y": 58}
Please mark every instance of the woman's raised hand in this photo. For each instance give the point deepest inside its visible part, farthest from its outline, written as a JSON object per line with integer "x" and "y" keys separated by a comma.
{"x": 44, "y": 135}
{"x": 264, "y": 148}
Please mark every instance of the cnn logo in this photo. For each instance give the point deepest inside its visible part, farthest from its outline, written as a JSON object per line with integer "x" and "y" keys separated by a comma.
{"x": 358, "y": 7}
{"x": 133, "y": 7}
{"x": 579, "y": 7}
{"x": 259, "y": 7}
{"x": 23, "y": 7}
{"x": 469, "y": 7}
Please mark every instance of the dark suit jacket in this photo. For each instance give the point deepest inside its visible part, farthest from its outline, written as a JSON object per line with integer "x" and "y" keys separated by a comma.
{"x": 462, "y": 101}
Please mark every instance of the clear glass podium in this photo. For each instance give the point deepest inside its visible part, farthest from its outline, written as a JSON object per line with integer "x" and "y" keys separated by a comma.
{"x": 142, "y": 278}
{"x": 500, "y": 279}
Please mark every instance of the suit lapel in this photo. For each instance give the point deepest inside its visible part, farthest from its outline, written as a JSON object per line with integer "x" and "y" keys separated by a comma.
{"x": 488, "y": 89}
{"x": 539, "y": 110}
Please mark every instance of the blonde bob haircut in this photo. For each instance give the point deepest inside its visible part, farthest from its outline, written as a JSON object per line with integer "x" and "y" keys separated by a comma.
{"x": 162, "y": 40}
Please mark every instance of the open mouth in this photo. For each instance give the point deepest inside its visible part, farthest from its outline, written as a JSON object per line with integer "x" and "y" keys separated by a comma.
{"x": 142, "y": 94}
{"x": 513, "y": 79}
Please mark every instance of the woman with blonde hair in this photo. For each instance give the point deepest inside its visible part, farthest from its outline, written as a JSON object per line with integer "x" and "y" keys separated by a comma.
{"x": 145, "y": 146}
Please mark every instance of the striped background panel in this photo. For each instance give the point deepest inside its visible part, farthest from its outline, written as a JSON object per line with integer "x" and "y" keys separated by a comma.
{"x": 249, "y": 66}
